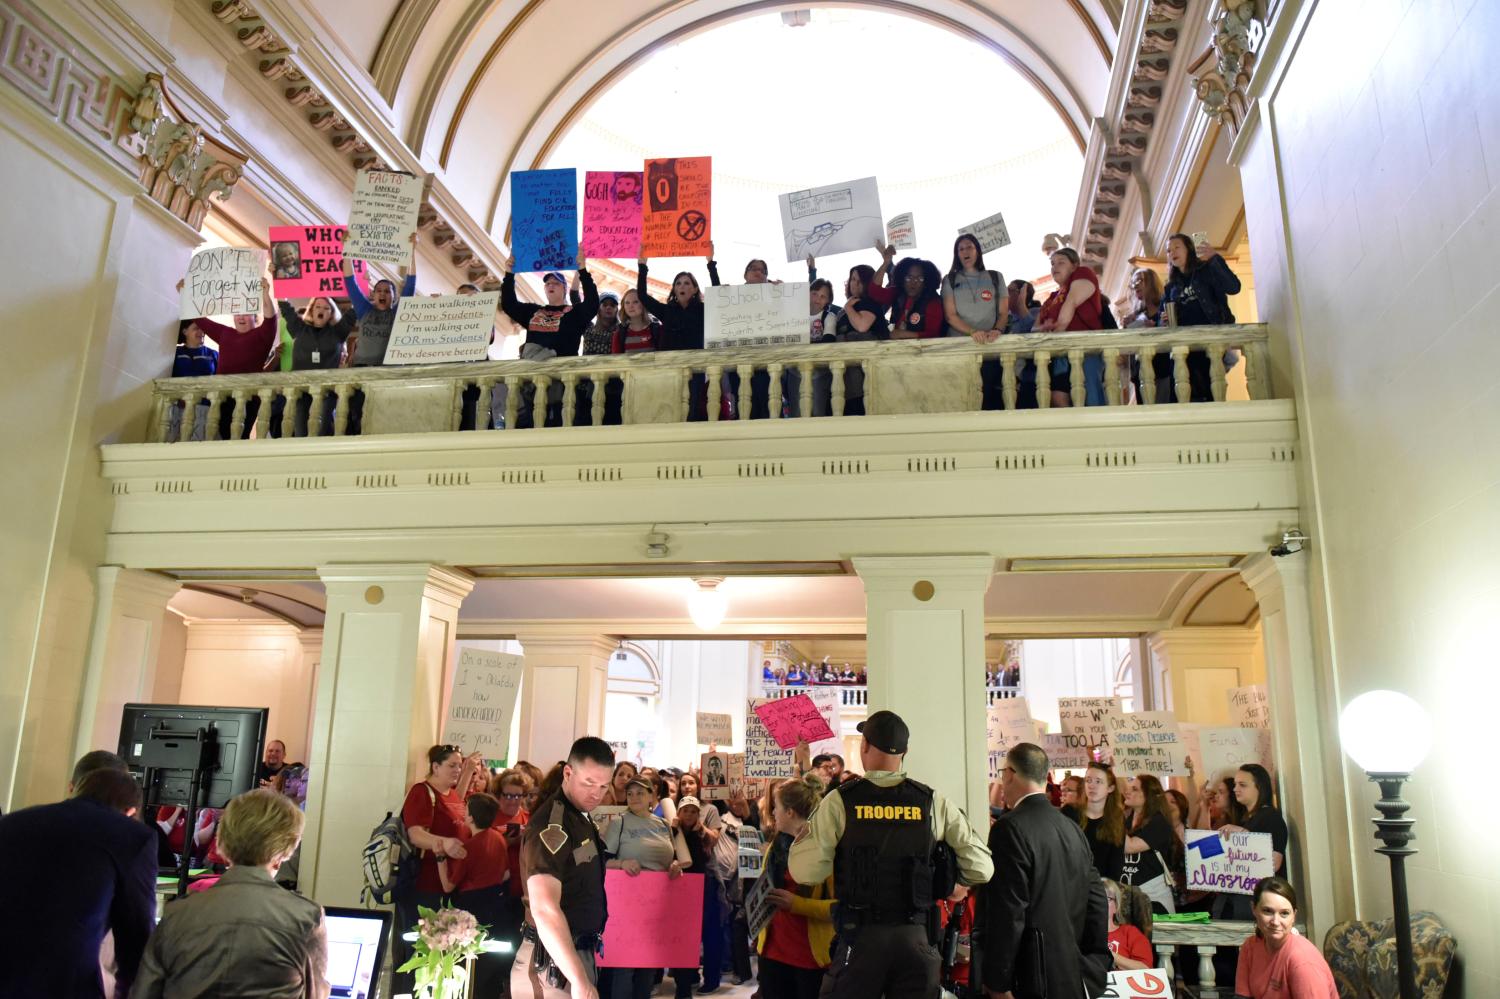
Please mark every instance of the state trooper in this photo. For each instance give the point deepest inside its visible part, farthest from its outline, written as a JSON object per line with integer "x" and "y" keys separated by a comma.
{"x": 880, "y": 835}
{"x": 562, "y": 863}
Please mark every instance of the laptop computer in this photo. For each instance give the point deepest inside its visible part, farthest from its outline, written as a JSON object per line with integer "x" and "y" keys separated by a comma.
{"x": 356, "y": 950}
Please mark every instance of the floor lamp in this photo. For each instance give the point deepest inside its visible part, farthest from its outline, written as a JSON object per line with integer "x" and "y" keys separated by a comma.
{"x": 1388, "y": 735}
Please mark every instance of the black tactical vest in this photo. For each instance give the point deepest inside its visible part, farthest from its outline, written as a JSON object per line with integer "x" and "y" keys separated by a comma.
{"x": 882, "y": 870}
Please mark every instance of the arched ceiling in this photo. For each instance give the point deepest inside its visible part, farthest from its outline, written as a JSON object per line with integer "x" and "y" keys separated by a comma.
{"x": 484, "y": 87}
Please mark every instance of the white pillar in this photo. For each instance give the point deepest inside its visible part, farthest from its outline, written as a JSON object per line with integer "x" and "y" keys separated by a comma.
{"x": 387, "y": 656}
{"x": 123, "y": 646}
{"x": 311, "y": 640}
{"x": 924, "y": 622}
{"x": 562, "y": 695}
{"x": 1201, "y": 665}
{"x": 1304, "y": 724}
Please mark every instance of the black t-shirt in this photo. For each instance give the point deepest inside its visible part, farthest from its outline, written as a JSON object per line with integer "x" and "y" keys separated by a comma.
{"x": 1109, "y": 858}
{"x": 1268, "y": 820}
{"x": 562, "y": 842}
{"x": 266, "y": 772}
{"x": 879, "y": 330}
{"x": 1142, "y": 867}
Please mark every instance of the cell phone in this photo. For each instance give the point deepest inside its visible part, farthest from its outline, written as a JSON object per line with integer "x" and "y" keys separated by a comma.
{"x": 1200, "y": 239}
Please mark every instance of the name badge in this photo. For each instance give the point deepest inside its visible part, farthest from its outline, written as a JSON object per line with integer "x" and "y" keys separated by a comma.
{"x": 584, "y": 854}
{"x": 317, "y": 357}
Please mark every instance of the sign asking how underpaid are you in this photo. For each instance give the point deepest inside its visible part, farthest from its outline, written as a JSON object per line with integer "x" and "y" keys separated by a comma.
{"x": 482, "y": 701}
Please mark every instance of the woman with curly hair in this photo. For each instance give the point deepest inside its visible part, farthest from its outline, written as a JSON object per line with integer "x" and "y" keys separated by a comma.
{"x": 917, "y": 312}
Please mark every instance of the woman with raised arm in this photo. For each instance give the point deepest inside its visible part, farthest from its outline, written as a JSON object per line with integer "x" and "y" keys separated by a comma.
{"x": 552, "y": 330}
{"x": 862, "y": 320}
{"x": 1199, "y": 284}
{"x": 681, "y": 317}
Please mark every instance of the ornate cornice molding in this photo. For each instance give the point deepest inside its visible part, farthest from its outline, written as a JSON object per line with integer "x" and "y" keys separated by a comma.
{"x": 180, "y": 167}
{"x": 1222, "y": 73}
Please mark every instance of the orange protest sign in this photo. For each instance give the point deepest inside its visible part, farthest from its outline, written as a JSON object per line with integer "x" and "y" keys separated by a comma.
{"x": 679, "y": 200}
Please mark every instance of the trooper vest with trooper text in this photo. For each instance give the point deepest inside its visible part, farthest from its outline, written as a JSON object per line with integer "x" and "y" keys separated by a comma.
{"x": 882, "y": 869}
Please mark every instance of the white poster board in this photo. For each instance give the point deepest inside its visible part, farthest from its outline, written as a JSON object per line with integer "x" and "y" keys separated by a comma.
{"x": 1250, "y": 707}
{"x": 482, "y": 701}
{"x": 442, "y": 328}
{"x": 1225, "y": 750}
{"x": 835, "y": 218}
{"x": 1230, "y": 863}
{"x": 715, "y": 729}
{"x": 1007, "y": 722}
{"x": 755, "y": 315}
{"x": 223, "y": 281}
{"x": 1065, "y": 752}
{"x": 1084, "y": 722}
{"x": 1147, "y": 742}
{"x": 383, "y": 217}
{"x": 990, "y": 232}
{"x": 1146, "y": 983}
{"x": 901, "y": 231}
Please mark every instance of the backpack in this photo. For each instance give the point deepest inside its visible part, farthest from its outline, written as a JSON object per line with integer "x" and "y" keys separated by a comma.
{"x": 389, "y": 861}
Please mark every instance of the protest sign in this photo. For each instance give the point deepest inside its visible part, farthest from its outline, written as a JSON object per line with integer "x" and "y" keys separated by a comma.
{"x": 603, "y": 812}
{"x": 442, "y": 328}
{"x": 655, "y": 920}
{"x": 223, "y": 281}
{"x": 612, "y": 214}
{"x": 751, "y": 853}
{"x": 835, "y": 218}
{"x": 482, "y": 701}
{"x": 1225, "y": 750}
{"x": 383, "y": 218}
{"x": 308, "y": 260}
{"x": 1250, "y": 707}
{"x": 794, "y": 719}
{"x": 714, "y": 729}
{"x": 1144, "y": 983}
{"x": 544, "y": 219}
{"x": 990, "y": 232}
{"x": 1007, "y": 722}
{"x": 755, "y": 315}
{"x": 763, "y": 757}
{"x": 829, "y": 704}
{"x": 1064, "y": 752}
{"x": 720, "y": 774}
{"x": 676, "y": 218}
{"x": 901, "y": 231}
{"x": 758, "y": 909}
{"x": 1230, "y": 863}
{"x": 1085, "y": 721}
{"x": 1147, "y": 742}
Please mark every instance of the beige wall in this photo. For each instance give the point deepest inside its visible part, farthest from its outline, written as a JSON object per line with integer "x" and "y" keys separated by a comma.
{"x": 1371, "y": 197}
{"x": 255, "y": 665}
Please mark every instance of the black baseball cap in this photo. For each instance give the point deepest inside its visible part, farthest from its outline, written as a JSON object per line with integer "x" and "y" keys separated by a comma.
{"x": 553, "y": 276}
{"x": 886, "y": 732}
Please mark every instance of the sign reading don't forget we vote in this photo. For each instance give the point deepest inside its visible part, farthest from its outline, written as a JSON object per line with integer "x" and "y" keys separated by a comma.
{"x": 223, "y": 281}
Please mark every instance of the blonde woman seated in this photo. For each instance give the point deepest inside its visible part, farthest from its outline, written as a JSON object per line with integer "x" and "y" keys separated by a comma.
{"x": 246, "y": 936}
{"x": 794, "y": 947}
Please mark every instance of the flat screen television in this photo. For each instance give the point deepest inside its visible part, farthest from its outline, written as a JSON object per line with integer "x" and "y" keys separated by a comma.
{"x": 163, "y": 744}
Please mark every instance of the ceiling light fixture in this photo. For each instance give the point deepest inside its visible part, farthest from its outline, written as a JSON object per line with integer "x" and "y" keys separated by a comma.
{"x": 707, "y": 604}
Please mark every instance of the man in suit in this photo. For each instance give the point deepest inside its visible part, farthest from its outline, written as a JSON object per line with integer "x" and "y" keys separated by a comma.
{"x": 1044, "y": 915}
{"x": 72, "y": 872}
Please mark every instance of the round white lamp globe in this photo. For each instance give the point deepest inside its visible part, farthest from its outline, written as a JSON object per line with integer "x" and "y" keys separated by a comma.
{"x": 707, "y": 604}
{"x": 1385, "y": 732}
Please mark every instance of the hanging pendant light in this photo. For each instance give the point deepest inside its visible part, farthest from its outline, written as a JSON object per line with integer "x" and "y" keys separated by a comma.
{"x": 707, "y": 604}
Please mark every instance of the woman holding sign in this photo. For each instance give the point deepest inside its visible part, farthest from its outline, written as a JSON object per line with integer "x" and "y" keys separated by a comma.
{"x": 794, "y": 946}
{"x": 634, "y": 842}
{"x": 681, "y": 317}
{"x": 1253, "y": 794}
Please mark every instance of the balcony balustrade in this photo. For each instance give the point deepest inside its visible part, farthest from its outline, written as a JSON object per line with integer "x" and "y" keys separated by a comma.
{"x": 899, "y": 377}
{"x": 853, "y": 695}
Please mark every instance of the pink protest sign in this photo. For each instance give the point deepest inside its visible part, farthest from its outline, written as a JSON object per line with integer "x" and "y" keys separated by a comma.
{"x": 612, "y": 214}
{"x": 792, "y": 719}
{"x": 308, "y": 260}
{"x": 655, "y": 921}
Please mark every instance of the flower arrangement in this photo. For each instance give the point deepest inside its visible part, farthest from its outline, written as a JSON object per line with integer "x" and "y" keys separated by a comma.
{"x": 448, "y": 939}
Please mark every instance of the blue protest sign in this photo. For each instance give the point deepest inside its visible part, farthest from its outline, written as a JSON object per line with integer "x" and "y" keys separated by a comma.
{"x": 544, "y": 219}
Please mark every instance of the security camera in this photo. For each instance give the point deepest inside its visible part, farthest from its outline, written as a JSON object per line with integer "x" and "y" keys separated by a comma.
{"x": 1292, "y": 541}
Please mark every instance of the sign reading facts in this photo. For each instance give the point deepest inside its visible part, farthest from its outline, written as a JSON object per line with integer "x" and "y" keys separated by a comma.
{"x": 308, "y": 260}
{"x": 714, "y": 729}
{"x": 223, "y": 281}
{"x": 655, "y": 920}
{"x": 442, "y": 328}
{"x": 1145, "y": 983}
{"x": 612, "y": 214}
{"x": 755, "y": 315}
{"x": 383, "y": 218}
{"x": 1147, "y": 742}
{"x": 794, "y": 719}
{"x": 544, "y": 219}
{"x": 990, "y": 232}
{"x": 675, "y": 219}
{"x": 1231, "y": 863}
{"x": 482, "y": 701}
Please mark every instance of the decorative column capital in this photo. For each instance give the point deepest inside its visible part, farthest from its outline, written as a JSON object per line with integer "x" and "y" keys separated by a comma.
{"x": 179, "y": 166}
{"x": 1223, "y": 87}
{"x": 888, "y": 573}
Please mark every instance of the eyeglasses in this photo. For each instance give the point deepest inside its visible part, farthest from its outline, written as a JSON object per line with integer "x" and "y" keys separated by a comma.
{"x": 508, "y": 796}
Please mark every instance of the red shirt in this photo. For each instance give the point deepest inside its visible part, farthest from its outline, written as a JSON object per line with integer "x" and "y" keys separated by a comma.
{"x": 786, "y": 936}
{"x": 486, "y": 864}
{"x": 178, "y": 836}
{"x": 1296, "y": 971}
{"x": 512, "y": 828}
{"x": 241, "y": 353}
{"x": 1132, "y": 943}
{"x": 439, "y": 814}
{"x": 1085, "y": 317}
{"x": 965, "y": 934}
{"x": 926, "y": 322}
{"x": 627, "y": 340}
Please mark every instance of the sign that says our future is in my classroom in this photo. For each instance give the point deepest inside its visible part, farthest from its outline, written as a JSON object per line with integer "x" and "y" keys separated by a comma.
{"x": 383, "y": 218}
{"x": 482, "y": 701}
{"x": 223, "y": 281}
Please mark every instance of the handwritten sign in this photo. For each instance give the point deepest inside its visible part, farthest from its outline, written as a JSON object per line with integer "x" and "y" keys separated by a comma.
{"x": 482, "y": 701}
{"x": 763, "y": 757}
{"x": 1230, "y": 863}
{"x": 835, "y": 218}
{"x": 383, "y": 218}
{"x": 655, "y": 921}
{"x": 901, "y": 231}
{"x": 544, "y": 219}
{"x": 308, "y": 260}
{"x": 1064, "y": 753}
{"x": 829, "y": 705}
{"x": 1007, "y": 722}
{"x": 1225, "y": 750}
{"x": 223, "y": 281}
{"x": 793, "y": 719}
{"x": 1085, "y": 722}
{"x": 755, "y": 315}
{"x": 720, "y": 774}
{"x": 1147, "y": 742}
{"x": 1145, "y": 983}
{"x": 442, "y": 328}
{"x": 758, "y": 909}
{"x": 612, "y": 214}
{"x": 676, "y": 217}
{"x": 1250, "y": 707}
{"x": 990, "y": 232}
{"x": 714, "y": 729}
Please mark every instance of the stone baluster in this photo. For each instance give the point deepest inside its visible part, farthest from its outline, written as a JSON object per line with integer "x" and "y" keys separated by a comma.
{"x": 189, "y": 416}
{"x": 292, "y": 395}
{"x": 600, "y": 381}
{"x": 1043, "y": 379}
{"x": 1164, "y": 955}
{"x": 836, "y": 373}
{"x": 1180, "y": 374}
{"x": 484, "y": 402}
{"x": 1075, "y": 378}
{"x": 539, "y": 401}
{"x": 715, "y": 373}
{"x": 315, "y": 411}
{"x": 512, "y": 400}
{"x": 773, "y": 392}
{"x": 742, "y": 402}
{"x": 1113, "y": 392}
{"x": 570, "y": 395}
{"x": 1009, "y": 378}
{"x": 1207, "y": 981}
{"x": 805, "y": 388}
{"x": 162, "y": 421}
{"x": 686, "y": 408}
{"x": 456, "y": 416}
{"x": 1257, "y": 378}
{"x": 1147, "y": 354}
{"x": 263, "y": 416}
{"x": 1216, "y": 370}
{"x": 237, "y": 421}
{"x": 211, "y": 417}
{"x": 872, "y": 387}
{"x": 342, "y": 393}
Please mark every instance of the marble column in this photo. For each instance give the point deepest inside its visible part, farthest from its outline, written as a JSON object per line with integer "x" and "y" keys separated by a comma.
{"x": 1200, "y": 665}
{"x": 563, "y": 691}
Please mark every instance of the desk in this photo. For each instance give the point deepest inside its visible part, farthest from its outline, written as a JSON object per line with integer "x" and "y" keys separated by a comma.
{"x": 1207, "y": 937}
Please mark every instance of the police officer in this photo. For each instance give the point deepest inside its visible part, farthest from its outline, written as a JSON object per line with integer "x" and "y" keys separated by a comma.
{"x": 879, "y": 835}
{"x": 562, "y": 862}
